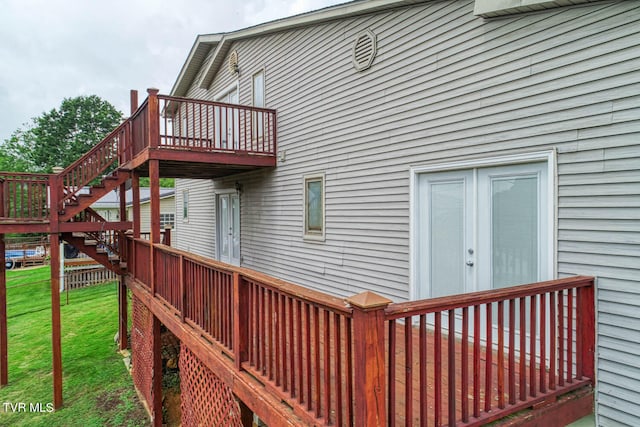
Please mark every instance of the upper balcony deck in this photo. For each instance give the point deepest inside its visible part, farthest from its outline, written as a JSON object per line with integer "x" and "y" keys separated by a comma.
{"x": 196, "y": 138}
{"x": 189, "y": 138}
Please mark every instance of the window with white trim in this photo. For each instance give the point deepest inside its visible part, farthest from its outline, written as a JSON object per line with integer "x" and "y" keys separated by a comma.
{"x": 167, "y": 220}
{"x": 314, "y": 213}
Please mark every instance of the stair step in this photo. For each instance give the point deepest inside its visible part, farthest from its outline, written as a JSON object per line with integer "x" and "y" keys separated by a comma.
{"x": 114, "y": 258}
{"x": 78, "y": 234}
{"x": 90, "y": 242}
{"x": 123, "y": 265}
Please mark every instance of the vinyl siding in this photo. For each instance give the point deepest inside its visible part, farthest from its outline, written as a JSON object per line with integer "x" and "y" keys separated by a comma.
{"x": 445, "y": 86}
{"x": 197, "y": 234}
{"x": 167, "y": 206}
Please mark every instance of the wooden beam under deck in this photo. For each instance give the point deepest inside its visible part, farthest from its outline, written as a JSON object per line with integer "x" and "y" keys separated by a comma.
{"x": 176, "y": 163}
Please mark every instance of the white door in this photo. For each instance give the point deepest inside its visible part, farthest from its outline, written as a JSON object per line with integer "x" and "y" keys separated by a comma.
{"x": 482, "y": 228}
{"x": 228, "y": 220}
{"x": 445, "y": 221}
{"x": 227, "y": 119}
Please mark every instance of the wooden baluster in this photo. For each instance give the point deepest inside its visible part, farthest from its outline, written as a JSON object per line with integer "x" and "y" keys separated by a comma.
{"x": 408, "y": 372}
{"x": 393, "y": 345}
{"x": 422, "y": 348}
{"x": 369, "y": 355}
{"x": 464, "y": 395}
{"x": 241, "y": 308}
{"x": 437, "y": 367}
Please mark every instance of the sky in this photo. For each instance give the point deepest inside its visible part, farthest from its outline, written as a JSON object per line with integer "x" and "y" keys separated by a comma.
{"x": 56, "y": 49}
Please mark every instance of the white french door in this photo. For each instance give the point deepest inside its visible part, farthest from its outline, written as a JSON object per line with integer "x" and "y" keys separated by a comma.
{"x": 227, "y": 120}
{"x": 228, "y": 230}
{"x": 482, "y": 228}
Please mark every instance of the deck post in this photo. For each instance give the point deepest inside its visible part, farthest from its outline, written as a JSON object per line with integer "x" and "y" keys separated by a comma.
{"x": 135, "y": 203}
{"x": 368, "y": 358}
{"x": 240, "y": 320}
{"x": 154, "y": 195}
{"x": 4, "y": 366}
{"x": 154, "y": 118}
{"x": 122, "y": 287}
{"x": 156, "y": 378}
{"x": 54, "y": 252}
{"x": 122, "y": 313}
{"x": 586, "y": 317}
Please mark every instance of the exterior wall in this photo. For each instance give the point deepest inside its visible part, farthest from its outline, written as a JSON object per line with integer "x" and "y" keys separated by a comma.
{"x": 110, "y": 214}
{"x": 446, "y": 85}
{"x": 197, "y": 234}
{"x": 167, "y": 206}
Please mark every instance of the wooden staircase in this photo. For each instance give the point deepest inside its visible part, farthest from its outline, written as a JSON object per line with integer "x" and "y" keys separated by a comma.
{"x": 77, "y": 204}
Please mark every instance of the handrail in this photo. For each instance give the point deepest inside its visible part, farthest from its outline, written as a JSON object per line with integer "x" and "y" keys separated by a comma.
{"x": 214, "y": 103}
{"x": 431, "y": 305}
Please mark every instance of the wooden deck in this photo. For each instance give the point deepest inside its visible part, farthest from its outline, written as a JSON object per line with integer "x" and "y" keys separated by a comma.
{"x": 332, "y": 363}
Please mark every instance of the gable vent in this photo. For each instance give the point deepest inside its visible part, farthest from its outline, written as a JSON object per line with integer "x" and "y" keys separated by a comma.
{"x": 233, "y": 62}
{"x": 364, "y": 50}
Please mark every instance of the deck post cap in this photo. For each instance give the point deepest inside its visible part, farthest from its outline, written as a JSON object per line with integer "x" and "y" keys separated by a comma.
{"x": 368, "y": 300}
{"x": 153, "y": 91}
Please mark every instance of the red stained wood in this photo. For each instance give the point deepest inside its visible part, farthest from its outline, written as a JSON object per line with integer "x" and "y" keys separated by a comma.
{"x": 4, "y": 366}
{"x": 56, "y": 341}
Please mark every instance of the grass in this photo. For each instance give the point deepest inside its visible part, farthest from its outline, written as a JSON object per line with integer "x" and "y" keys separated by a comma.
{"x": 97, "y": 389}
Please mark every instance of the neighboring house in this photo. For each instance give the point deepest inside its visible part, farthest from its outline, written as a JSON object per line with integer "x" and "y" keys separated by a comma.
{"x": 109, "y": 208}
{"x": 432, "y": 148}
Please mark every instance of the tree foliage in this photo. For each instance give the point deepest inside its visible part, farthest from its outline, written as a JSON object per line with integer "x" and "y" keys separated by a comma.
{"x": 61, "y": 136}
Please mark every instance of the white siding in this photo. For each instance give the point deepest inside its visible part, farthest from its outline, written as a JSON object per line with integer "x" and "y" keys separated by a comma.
{"x": 444, "y": 86}
{"x": 198, "y": 233}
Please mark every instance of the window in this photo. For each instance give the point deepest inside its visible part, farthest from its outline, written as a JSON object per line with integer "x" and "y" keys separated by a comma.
{"x": 258, "y": 101}
{"x": 314, "y": 207}
{"x": 185, "y": 205}
{"x": 167, "y": 220}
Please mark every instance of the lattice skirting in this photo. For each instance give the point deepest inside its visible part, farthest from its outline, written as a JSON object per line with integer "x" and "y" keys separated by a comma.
{"x": 142, "y": 349}
{"x": 206, "y": 400}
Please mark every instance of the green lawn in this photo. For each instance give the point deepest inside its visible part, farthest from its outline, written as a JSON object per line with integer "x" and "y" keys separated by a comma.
{"x": 97, "y": 389}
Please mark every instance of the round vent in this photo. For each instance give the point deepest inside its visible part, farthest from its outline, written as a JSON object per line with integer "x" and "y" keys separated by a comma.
{"x": 364, "y": 50}
{"x": 233, "y": 62}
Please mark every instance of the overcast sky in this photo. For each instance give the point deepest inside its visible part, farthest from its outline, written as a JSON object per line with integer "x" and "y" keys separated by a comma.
{"x": 56, "y": 49}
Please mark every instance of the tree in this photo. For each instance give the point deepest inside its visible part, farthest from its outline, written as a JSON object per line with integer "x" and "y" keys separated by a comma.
{"x": 61, "y": 136}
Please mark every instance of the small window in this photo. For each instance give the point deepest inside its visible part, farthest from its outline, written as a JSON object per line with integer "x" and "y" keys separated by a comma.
{"x": 185, "y": 205}
{"x": 314, "y": 207}
{"x": 167, "y": 220}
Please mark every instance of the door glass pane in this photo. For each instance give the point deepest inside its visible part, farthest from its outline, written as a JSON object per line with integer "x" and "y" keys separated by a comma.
{"x": 514, "y": 224}
{"x": 235, "y": 207}
{"x": 224, "y": 227}
{"x": 446, "y": 245}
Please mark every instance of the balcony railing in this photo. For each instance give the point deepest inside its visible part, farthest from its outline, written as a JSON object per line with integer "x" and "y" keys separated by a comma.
{"x": 176, "y": 123}
{"x": 466, "y": 359}
{"x": 161, "y": 122}
{"x": 24, "y": 196}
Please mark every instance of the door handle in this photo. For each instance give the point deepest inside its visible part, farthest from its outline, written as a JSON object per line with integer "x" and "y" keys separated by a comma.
{"x": 469, "y": 263}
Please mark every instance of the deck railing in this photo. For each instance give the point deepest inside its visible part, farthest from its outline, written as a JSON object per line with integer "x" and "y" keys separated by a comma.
{"x": 489, "y": 354}
{"x": 24, "y": 196}
{"x": 460, "y": 360}
{"x": 199, "y": 125}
